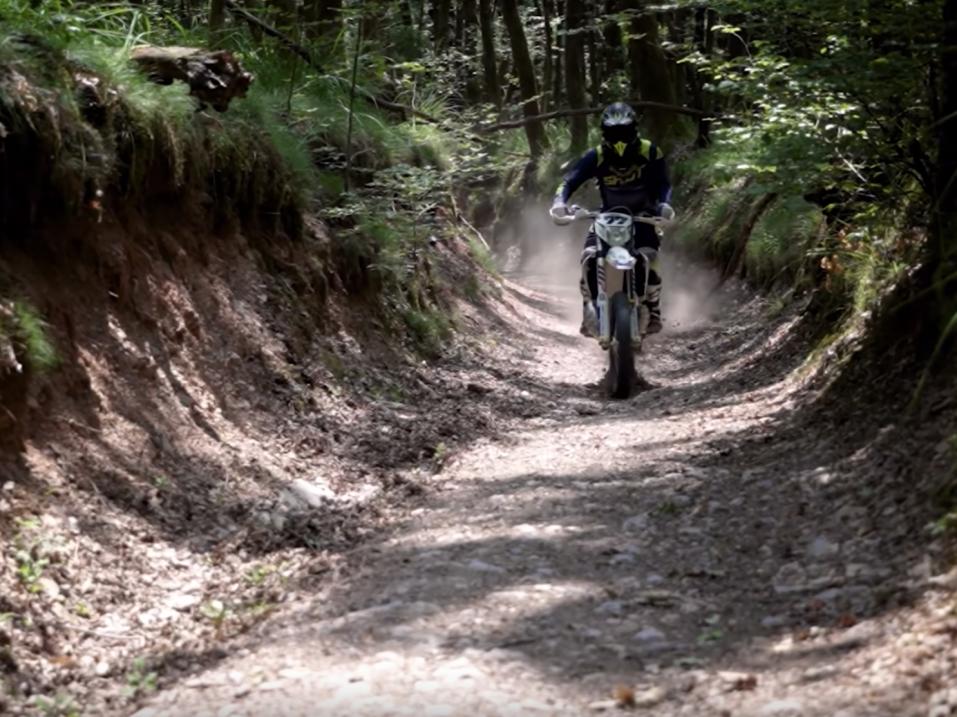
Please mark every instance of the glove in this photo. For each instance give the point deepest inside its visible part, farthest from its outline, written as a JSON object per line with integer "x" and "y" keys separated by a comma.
{"x": 665, "y": 211}
{"x": 559, "y": 213}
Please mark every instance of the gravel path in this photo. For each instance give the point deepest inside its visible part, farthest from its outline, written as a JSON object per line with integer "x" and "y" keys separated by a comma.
{"x": 692, "y": 551}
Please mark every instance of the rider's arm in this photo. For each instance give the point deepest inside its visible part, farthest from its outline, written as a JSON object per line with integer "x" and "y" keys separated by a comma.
{"x": 583, "y": 170}
{"x": 657, "y": 174}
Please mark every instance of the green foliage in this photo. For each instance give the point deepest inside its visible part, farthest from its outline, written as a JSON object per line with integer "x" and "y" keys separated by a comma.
{"x": 482, "y": 256}
{"x": 29, "y": 553}
{"x": 32, "y": 331}
{"x": 60, "y": 705}
{"x": 838, "y": 101}
{"x": 22, "y": 326}
{"x": 140, "y": 680}
{"x": 430, "y": 329}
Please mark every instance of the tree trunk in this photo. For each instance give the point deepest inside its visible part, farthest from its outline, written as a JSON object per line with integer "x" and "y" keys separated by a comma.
{"x": 493, "y": 91}
{"x": 441, "y": 10}
{"x": 323, "y": 18}
{"x": 613, "y": 59}
{"x": 594, "y": 65}
{"x": 650, "y": 76}
{"x": 558, "y": 81}
{"x": 467, "y": 32}
{"x": 944, "y": 250}
{"x": 575, "y": 70}
{"x": 736, "y": 264}
{"x": 547, "y": 67}
{"x": 526, "y": 76}
{"x": 217, "y": 18}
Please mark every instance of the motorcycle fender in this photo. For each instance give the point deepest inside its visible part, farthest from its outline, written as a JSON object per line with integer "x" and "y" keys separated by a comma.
{"x": 620, "y": 258}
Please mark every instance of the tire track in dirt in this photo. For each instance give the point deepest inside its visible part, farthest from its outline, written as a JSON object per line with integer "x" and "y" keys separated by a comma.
{"x": 688, "y": 544}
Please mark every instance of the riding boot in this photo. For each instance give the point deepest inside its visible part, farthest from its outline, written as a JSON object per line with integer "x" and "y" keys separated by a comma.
{"x": 588, "y": 286}
{"x": 589, "y": 325}
{"x": 653, "y": 302}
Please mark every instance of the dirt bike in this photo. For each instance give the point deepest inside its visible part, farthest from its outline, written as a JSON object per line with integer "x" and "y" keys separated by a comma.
{"x": 622, "y": 282}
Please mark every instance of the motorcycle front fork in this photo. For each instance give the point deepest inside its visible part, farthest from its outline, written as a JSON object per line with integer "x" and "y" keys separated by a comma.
{"x": 610, "y": 282}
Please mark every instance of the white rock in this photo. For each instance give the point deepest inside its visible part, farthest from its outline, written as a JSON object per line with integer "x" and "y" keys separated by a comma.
{"x": 49, "y": 587}
{"x": 312, "y": 494}
{"x": 102, "y": 669}
{"x": 184, "y": 601}
{"x": 781, "y": 708}
{"x": 643, "y": 699}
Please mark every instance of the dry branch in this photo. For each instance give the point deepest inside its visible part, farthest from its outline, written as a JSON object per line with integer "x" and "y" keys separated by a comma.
{"x": 558, "y": 114}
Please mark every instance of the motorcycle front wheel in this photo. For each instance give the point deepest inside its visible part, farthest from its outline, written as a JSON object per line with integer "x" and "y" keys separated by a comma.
{"x": 621, "y": 364}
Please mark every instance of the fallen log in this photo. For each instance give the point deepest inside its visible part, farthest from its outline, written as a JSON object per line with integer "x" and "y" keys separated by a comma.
{"x": 214, "y": 77}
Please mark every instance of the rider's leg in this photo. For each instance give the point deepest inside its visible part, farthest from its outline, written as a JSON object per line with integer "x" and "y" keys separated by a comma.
{"x": 647, "y": 237}
{"x": 588, "y": 285}
{"x": 653, "y": 299}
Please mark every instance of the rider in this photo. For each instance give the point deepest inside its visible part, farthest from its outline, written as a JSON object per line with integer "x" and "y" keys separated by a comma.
{"x": 631, "y": 173}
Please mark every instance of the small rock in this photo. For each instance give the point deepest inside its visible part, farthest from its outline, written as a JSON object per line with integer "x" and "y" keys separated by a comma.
{"x": 102, "y": 669}
{"x": 822, "y": 549}
{"x": 945, "y": 581}
{"x": 312, "y": 494}
{"x": 184, "y": 601}
{"x": 790, "y": 578}
{"x": 649, "y": 634}
{"x": 49, "y": 587}
{"x": 781, "y": 708}
{"x": 821, "y": 672}
{"x": 635, "y": 523}
{"x": 738, "y": 681}
{"x": 612, "y": 607}
{"x": 480, "y": 566}
{"x": 649, "y": 697}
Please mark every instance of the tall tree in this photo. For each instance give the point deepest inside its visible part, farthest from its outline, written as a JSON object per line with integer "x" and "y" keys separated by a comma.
{"x": 575, "y": 70}
{"x": 217, "y": 17}
{"x": 466, "y": 34}
{"x": 612, "y": 41}
{"x": 441, "y": 11}
{"x": 944, "y": 249}
{"x": 545, "y": 6}
{"x": 493, "y": 90}
{"x": 649, "y": 73}
{"x": 323, "y": 18}
{"x": 525, "y": 70}
{"x": 558, "y": 82}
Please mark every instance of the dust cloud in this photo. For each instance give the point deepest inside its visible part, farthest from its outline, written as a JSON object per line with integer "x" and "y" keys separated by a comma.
{"x": 545, "y": 257}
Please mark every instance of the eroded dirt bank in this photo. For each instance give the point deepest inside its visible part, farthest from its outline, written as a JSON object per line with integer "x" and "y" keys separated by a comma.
{"x": 728, "y": 543}
{"x": 221, "y": 426}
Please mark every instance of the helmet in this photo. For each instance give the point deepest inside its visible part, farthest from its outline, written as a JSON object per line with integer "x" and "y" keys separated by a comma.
{"x": 619, "y": 126}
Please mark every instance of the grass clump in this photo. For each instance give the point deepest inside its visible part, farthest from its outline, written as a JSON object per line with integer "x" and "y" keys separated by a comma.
{"x": 22, "y": 328}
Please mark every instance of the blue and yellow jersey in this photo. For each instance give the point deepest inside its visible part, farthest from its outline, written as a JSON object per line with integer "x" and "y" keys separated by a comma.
{"x": 634, "y": 177}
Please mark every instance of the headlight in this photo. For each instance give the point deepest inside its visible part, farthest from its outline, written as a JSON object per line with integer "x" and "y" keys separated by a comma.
{"x": 614, "y": 229}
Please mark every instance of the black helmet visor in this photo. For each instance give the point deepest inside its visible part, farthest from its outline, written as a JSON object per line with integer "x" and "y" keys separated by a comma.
{"x": 615, "y": 133}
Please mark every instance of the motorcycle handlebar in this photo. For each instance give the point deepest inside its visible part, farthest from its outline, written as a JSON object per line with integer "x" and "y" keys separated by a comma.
{"x": 576, "y": 213}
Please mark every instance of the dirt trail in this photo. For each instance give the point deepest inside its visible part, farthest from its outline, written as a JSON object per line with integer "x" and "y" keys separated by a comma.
{"x": 697, "y": 544}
